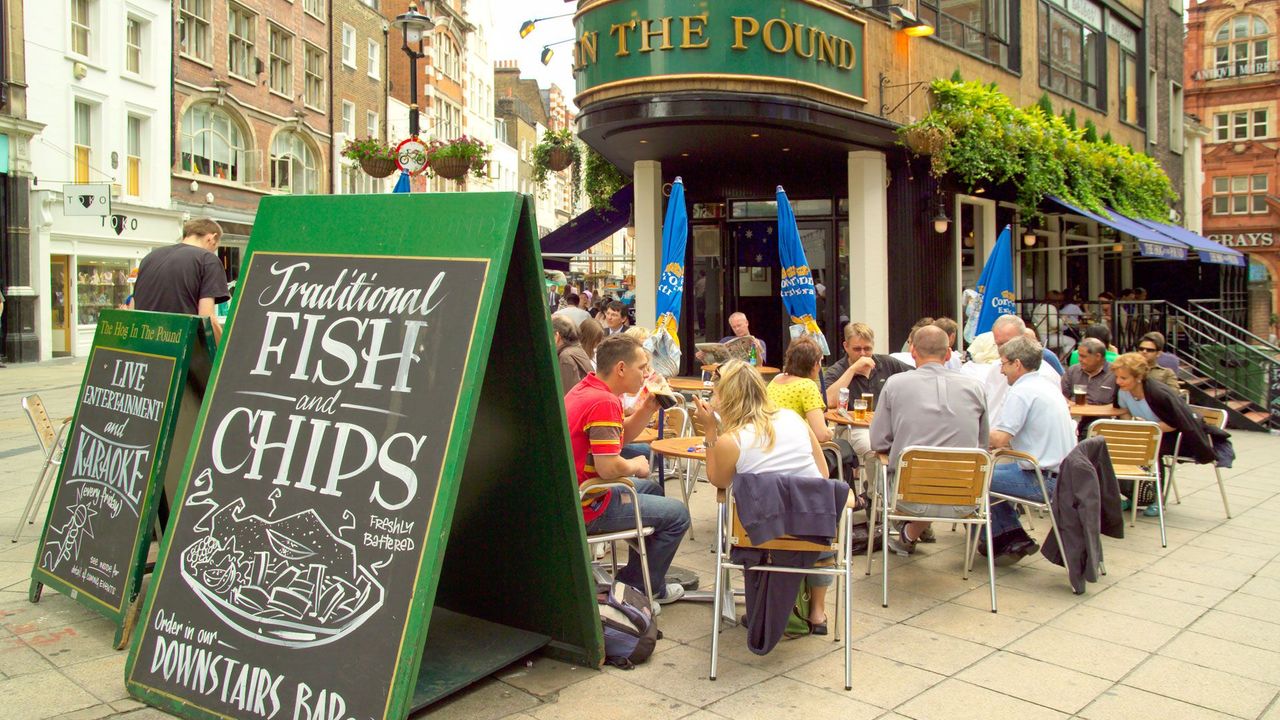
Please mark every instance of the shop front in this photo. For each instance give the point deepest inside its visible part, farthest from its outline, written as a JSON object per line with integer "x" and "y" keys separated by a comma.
{"x": 89, "y": 265}
{"x": 1260, "y": 246}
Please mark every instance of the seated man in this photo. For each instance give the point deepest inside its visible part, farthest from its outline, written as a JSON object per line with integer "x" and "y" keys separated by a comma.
{"x": 1093, "y": 372}
{"x": 863, "y": 372}
{"x": 597, "y": 433}
{"x": 1003, "y": 330}
{"x": 1161, "y": 366}
{"x": 1033, "y": 420}
{"x": 930, "y": 406}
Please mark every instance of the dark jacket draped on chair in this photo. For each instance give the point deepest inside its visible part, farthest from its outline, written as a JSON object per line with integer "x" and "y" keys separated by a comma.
{"x": 1086, "y": 504}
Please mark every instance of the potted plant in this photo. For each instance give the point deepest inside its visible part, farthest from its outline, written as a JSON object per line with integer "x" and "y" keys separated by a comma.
{"x": 455, "y": 158}
{"x": 376, "y": 157}
{"x": 557, "y": 151}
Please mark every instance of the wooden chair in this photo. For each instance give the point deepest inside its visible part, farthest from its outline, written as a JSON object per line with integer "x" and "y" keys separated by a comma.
{"x": 730, "y": 534}
{"x": 52, "y": 443}
{"x": 1134, "y": 446}
{"x": 1010, "y": 455}
{"x": 634, "y": 535}
{"x": 1214, "y": 418}
{"x": 938, "y": 476}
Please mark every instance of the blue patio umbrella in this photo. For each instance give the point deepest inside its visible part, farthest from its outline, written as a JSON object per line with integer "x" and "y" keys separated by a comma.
{"x": 798, "y": 293}
{"x": 402, "y": 183}
{"x": 675, "y": 234}
{"x": 995, "y": 285}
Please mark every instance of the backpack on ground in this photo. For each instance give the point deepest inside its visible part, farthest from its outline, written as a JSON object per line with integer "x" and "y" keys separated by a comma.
{"x": 630, "y": 632}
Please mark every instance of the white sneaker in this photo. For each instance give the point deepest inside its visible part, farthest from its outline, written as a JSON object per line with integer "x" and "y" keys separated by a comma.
{"x": 675, "y": 591}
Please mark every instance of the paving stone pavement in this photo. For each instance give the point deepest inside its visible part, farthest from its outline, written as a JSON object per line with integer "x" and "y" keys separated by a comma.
{"x": 1187, "y": 631}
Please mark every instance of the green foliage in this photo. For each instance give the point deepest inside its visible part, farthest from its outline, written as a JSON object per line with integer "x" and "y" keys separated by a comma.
{"x": 370, "y": 148}
{"x": 1045, "y": 105}
{"x": 601, "y": 180}
{"x": 1070, "y": 116}
{"x": 542, "y": 154}
{"x": 1090, "y": 131}
{"x": 979, "y": 137}
{"x": 1108, "y": 139}
{"x": 955, "y": 76}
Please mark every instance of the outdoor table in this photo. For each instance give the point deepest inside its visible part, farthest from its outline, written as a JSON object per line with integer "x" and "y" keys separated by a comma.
{"x": 1094, "y": 411}
{"x": 690, "y": 447}
{"x": 689, "y": 385}
{"x": 765, "y": 370}
{"x": 834, "y": 416}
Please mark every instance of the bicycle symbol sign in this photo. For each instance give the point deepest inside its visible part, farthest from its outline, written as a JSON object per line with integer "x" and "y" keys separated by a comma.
{"x": 411, "y": 156}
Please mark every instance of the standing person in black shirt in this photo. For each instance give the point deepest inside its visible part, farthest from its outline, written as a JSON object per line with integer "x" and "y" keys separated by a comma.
{"x": 186, "y": 277}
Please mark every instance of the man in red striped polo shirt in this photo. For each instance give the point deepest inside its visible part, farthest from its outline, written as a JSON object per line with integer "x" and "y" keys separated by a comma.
{"x": 597, "y": 432}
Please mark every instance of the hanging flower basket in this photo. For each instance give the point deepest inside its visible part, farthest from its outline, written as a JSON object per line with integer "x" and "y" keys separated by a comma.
{"x": 559, "y": 158}
{"x": 925, "y": 140}
{"x": 378, "y": 167}
{"x": 450, "y": 167}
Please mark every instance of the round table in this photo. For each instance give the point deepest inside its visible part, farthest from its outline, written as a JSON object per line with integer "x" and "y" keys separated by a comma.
{"x": 834, "y": 416}
{"x": 1094, "y": 411}
{"x": 690, "y": 446}
{"x": 689, "y": 384}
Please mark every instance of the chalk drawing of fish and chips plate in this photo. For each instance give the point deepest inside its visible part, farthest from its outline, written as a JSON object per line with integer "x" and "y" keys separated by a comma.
{"x": 291, "y": 581}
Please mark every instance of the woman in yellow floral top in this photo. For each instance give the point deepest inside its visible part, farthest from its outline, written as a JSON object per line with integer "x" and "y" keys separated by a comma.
{"x": 796, "y": 387}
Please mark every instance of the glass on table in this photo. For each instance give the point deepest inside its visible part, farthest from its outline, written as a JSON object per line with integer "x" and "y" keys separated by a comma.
{"x": 860, "y": 410}
{"x": 1080, "y": 393}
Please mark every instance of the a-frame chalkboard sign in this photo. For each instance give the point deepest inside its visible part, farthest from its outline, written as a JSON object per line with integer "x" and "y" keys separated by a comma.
{"x": 137, "y": 404}
{"x": 379, "y": 506}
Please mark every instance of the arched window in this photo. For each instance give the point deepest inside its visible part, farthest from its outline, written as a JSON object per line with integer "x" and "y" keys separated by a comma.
{"x": 293, "y": 164}
{"x": 213, "y": 144}
{"x": 1242, "y": 46}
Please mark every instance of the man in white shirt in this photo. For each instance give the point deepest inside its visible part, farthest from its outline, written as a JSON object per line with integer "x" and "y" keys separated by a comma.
{"x": 1033, "y": 420}
{"x": 1004, "y": 330}
{"x": 571, "y": 310}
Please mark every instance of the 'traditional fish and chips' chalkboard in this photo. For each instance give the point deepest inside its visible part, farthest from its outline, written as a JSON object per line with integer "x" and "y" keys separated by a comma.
{"x": 338, "y": 451}
{"x": 99, "y": 527}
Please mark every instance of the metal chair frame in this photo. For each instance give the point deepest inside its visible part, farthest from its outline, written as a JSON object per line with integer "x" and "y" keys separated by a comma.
{"x": 1134, "y": 446}
{"x": 634, "y": 536}
{"x": 947, "y": 476}
{"x": 53, "y": 444}
{"x": 1211, "y": 416}
{"x": 1006, "y": 454}
{"x": 730, "y": 533}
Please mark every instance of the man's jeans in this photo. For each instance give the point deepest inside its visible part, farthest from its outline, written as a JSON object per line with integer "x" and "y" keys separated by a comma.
{"x": 669, "y": 519}
{"x": 1010, "y": 479}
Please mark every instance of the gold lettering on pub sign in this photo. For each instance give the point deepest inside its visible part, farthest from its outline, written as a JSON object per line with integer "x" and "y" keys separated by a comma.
{"x": 775, "y": 35}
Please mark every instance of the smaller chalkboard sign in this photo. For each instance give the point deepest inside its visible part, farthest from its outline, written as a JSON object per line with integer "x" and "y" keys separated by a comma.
{"x": 97, "y": 534}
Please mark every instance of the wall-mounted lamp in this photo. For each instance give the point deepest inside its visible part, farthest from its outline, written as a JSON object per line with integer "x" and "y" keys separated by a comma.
{"x": 940, "y": 220}
{"x": 902, "y": 19}
{"x": 548, "y": 53}
{"x": 1029, "y": 240}
{"x": 528, "y": 26}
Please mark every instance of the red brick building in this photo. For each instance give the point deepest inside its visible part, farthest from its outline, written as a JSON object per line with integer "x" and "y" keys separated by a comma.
{"x": 1233, "y": 85}
{"x": 250, "y": 107}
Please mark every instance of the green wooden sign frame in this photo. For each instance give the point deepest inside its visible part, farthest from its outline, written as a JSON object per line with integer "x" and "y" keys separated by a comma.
{"x": 503, "y": 569}
{"x": 186, "y": 342}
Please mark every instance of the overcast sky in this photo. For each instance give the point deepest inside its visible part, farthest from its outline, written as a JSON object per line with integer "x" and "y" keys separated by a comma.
{"x": 507, "y": 45}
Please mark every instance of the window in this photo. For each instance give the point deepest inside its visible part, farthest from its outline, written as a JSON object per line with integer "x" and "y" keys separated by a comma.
{"x": 133, "y": 43}
{"x": 281, "y": 71}
{"x": 314, "y": 7}
{"x": 83, "y": 140}
{"x": 193, "y": 29}
{"x": 979, "y": 27}
{"x": 293, "y": 164}
{"x": 1240, "y": 195}
{"x": 348, "y": 45}
{"x": 313, "y": 71}
{"x": 240, "y": 33}
{"x": 447, "y": 60}
{"x": 348, "y": 118}
{"x": 1175, "y": 118}
{"x": 1072, "y": 59}
{"x": 82, "y": 26}
{"x": 370, "y": 124}
{"x": 1242, "y": 46}
{"x": 133, "y": 161}
{"x": 212, "y": 144}
{"x": 1153, "y": 102}
{"x": 448, "y": 120}
{"x": 374, "y": 55}
{"x": 1128, "y": 89}
{"x": 357, "y": 182}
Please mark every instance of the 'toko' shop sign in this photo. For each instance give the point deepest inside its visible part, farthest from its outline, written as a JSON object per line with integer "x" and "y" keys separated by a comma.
{"x": 789, "y": 43}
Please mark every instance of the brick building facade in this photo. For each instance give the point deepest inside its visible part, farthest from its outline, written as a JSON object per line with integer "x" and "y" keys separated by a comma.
{"x": 358, "y": 64}
{"x": 1233, "y": 87}
{"x": 251, "y": 106}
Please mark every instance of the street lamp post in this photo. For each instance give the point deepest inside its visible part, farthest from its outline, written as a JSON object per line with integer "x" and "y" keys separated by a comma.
{"x": 413, "y": 27}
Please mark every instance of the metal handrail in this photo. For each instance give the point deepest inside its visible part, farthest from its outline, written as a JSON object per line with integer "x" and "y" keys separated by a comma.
{"x": 1200, "y": 305}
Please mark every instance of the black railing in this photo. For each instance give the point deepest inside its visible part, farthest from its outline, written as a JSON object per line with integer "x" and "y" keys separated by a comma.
{"x": 1128, "y": 321}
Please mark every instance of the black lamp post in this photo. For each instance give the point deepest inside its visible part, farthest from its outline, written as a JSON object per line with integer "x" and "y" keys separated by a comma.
{"x": 413, "y": 27}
